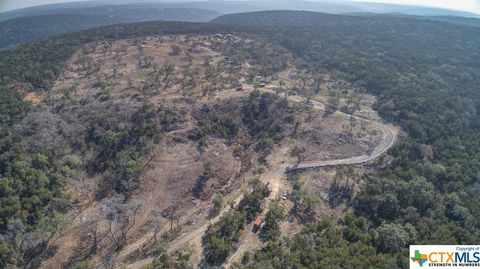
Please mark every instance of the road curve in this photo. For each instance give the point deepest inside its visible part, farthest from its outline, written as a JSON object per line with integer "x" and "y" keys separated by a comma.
{"x": 388, "y": 140}
{"x": 389, "y": 136}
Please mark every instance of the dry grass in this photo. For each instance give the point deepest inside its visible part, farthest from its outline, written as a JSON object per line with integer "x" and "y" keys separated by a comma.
{"x": 34, "y": 97}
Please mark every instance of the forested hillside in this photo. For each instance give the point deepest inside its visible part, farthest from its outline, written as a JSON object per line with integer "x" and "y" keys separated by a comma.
{"x": 24, "y": 29}
{"x": 450, "y": 19}
{"x": 425, "y": 74}
{"x": 458, "y": 20}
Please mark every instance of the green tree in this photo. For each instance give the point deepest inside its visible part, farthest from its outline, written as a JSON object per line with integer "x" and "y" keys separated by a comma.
{"x": 299, "y": 153}
{"x": 176, "y": 50}
{"x": 216, "y": 250}
{"x": 217, "y": 201}
{"x": 273, "y": 218}
{"x": 394, "y": 237}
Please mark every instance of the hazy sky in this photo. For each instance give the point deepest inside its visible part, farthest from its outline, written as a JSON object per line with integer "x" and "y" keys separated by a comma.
{"x": 14, "y": 4}
{"x": 467, "y": 5}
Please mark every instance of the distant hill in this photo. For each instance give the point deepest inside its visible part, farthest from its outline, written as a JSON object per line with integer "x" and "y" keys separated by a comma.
{"x": 227, "y": 7}
{"x": 457, "y": 20}
{"x": 287, "y": 18}
{"x": 316, "y": 19}
{"x": 451, "y": 19}
{"x": 24, "y": 29}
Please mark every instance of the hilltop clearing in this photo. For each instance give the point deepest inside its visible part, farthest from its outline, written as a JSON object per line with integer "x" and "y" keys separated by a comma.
{"x": 210, "y": 113}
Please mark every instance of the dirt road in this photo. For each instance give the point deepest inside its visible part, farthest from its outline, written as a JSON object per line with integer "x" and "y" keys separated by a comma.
{"x": 389, "y": 135}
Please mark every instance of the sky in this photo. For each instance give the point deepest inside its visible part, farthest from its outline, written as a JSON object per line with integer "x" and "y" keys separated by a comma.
{"x": 14, "y": 4}
{"x": 465, "y": 5}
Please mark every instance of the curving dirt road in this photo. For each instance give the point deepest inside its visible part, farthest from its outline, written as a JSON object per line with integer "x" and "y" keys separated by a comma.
{"x": 389, "y": 135}
{"x": 388, "y": 139}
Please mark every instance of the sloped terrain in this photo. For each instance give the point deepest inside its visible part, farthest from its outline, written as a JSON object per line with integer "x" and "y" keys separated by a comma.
{"x": 196, "y": 122}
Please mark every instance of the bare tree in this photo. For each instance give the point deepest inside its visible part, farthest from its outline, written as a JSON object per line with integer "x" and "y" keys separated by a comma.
{"x": 352, "y": 102}
{"x": 282, "y": 89}
{"x": 155, "y": 218}
{"x": 299, "y": 152}
{"x": 86, "y": 187}
{"x": 92, "y": 223}
{"x": 318, "y": 79}
{"x": 109, "y": 208}
{"x": 146, "y": 61}
{"x": 371, "y": 135}
{"x": 308, "y": 94}
{"x": 106, "y": 46}
{"x": 125, "y": 219}
{"x": 168, "y": 70}
{"x": 301, "y": 80}
{"x": 172, "y": 212}
{"x": 344, "y": 173}
{"x": 363, "y": 126}
{"x": 189, "y": 76}
{"x": 121, "y": 218}
{"x": 352, "y": 124}
{"x": 109, "y": 260}
{"x": 16, "y": 235}
{"x": 332, "y": 103}
{"x": 141, "y": 50}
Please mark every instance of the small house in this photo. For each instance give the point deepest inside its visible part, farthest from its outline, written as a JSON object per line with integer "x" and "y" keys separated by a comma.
{"x": 259, "y": 222}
